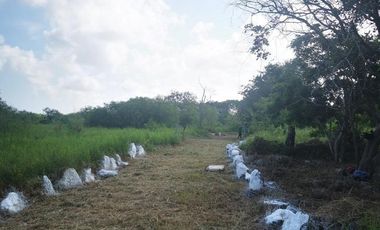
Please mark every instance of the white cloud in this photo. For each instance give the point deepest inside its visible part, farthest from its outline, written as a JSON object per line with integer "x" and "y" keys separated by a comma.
{"x": 97, "y": 51}
{"x": 36, "y": 2}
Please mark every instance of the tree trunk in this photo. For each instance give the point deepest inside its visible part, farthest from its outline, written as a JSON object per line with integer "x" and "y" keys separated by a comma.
{"x": 370, "y": 151}
{"x": 290, "y": 139}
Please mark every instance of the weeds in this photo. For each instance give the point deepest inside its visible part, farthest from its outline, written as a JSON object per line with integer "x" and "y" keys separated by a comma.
{"x": 279, "y": 134}
{"x": 45, "y": 149}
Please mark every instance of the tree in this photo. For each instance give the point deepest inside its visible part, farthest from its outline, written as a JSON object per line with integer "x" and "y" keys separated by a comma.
{"x": 227, "y": 114}
{"x": 339, "y": 42}
{"x": 208, "y": 117}
{"x": 280, "y": 96}
{"x": 187, "y": 106}
{"x": 181, "y": 97}
{"x": 7, "y": 116}
{"x": 187, "y": 117}
{"x": 52, "y": 115}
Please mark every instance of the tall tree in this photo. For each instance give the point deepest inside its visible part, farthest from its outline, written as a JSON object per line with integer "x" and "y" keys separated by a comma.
{"x": 339, "y": 41}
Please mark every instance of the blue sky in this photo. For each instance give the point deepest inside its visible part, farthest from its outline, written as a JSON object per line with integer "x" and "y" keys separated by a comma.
{"x": 68, "y": 54}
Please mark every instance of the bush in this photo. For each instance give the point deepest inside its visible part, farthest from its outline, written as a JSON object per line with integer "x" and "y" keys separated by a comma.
{"x": 314, "y": 148}
{"x": 259, "y": 145}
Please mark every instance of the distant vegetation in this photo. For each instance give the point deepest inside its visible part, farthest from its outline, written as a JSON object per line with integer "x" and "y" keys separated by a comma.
{"x": 178, "y": 109}
{"x": 32, "y": 145}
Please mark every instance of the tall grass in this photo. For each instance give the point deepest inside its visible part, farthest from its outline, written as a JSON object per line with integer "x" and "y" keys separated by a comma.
{"x": 45, "y": 149}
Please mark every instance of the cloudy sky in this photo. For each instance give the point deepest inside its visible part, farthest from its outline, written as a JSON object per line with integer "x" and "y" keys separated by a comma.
{"x": 67, "y": 54}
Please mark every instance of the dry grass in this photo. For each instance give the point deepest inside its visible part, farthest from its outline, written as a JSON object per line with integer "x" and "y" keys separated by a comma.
{"x": 169, "y": 189}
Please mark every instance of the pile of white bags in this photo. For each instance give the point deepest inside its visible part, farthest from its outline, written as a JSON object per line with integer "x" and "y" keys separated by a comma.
{"x": 69, "y": 180}
{"x": 13, "y": 203}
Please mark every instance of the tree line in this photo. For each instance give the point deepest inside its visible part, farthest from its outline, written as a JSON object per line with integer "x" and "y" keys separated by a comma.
{"x": 332, "y": 84}
{"x": 179, "y": 109}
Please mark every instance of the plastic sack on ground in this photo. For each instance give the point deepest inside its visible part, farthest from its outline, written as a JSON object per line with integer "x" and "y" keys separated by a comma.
{"x": 291, "y": 220}
{"x": 241, "y": 169}
{"x": 237, "y": 159}
{"x": 271, "y": 185}
{"x": 88, "y": 176}
{"x": 228, "y": 149}
{"x": 234, "y": 152}
{"x": 69, "y": 180}
{"x": 104, "y": 173}
{"x": 109, "y": 163}
{"x": 255, "y": 181}
{"x": 275, "y": 202}
{"x": 215, "y": 168}
{"x": 140, "y": 150}
{"x": 247, "y": 176}
{"x": 132, "y": 150}
{"x": 47, "y": 186}
{"x": 113, "y": 164}
{"x": 13, "y": 203}
{"x": 119, "y": 162}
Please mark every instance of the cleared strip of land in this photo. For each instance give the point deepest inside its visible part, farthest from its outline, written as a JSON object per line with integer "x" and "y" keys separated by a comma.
{"x": 169, "y": 189}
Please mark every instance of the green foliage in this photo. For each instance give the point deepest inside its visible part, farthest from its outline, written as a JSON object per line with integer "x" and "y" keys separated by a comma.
{"x": 208, "y": 117}
{"x": 280, "y": 96}
{"x": 278, "y": 134}
{"x": 11, "y": 119}
{"x": 259, "y": 145}
{"x": 188, "y": 115}
{"x": 370, "y": 221}
{"x": 181, "y": 98}
{"x": 333, "y": 77}
{"x": 52, "y": 116}
{"x": 41, "y": 149}
{"x": 269, "y": 143}
{"x": 136, "y": 112}
{"x": 178, "y": 108}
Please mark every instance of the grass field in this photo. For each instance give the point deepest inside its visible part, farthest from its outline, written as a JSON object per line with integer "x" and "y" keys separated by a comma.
{"x": 168, "y": 189}
{"x": 38, "y": 150}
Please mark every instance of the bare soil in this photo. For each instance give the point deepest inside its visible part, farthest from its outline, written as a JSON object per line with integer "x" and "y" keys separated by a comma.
{"x": 168, "y": 189}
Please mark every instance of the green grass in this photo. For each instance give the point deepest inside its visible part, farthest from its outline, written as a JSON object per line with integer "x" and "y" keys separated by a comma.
{"x": 279, "y": 134}
{"x": 370, "y": 220}
{"x": 38, "y": 150}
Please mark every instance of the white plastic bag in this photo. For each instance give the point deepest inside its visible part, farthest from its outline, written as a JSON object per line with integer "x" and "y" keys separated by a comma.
{"x": 237, "y": 159}
{"x": 247, "y": 176}
{"x": 88, "y": 176}
{"x": 107, "y": 173}
{"x": 291, "y": 220}
{"x": 215, "y": 168}
{"x": 119, "y": 162}
{"x": 234, "y": 152}
{"x": 132, "y": 150}
{"x": 255, "y": 181}
{"x": 47, "y": 186}
{"x": 109, "y": 163}
{"x": 13, "y": 203}
{"x": 241, "y": 169}
{"x": 140, "y": 151}
{"x": 70, "y": 179}
{"x": 113, "y": 164}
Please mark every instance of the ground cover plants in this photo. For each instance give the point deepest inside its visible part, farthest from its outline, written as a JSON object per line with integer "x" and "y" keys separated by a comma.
{"x": 37, "y": 150}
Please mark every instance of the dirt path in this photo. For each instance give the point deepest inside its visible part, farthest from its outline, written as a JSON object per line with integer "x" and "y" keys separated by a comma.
{"x": 169, "y": 189}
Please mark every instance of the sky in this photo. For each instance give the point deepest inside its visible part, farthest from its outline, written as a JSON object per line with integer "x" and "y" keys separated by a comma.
{"x": 68, "y": 54}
